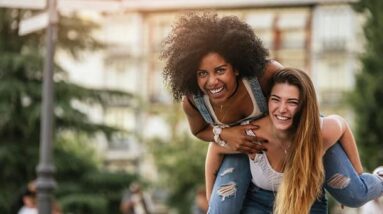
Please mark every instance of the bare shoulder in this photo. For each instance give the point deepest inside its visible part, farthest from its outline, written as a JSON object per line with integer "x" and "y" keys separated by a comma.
{"x": 188, "y": 106}
{"x": 271, "y": 68}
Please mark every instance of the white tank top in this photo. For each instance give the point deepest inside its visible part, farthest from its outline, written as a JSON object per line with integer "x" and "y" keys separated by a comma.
{"x": 263, "y": 175}
{"x": 255, "y": 112}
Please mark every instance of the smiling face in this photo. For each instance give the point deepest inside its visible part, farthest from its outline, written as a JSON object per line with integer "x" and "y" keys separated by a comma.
{"x": 283, "y": 105}
{"x": 216, "y": 78}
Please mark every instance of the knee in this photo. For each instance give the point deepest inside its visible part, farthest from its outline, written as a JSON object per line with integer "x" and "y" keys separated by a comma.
{"x": 338, "y": 181}
{"x": 339, "y": 187}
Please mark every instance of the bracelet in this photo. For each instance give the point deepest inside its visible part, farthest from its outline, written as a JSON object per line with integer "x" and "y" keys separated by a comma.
{"x": 217, "y": 139}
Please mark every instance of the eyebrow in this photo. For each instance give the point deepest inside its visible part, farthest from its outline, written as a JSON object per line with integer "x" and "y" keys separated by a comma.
{"x": 217, "y": 67}
{"x": 289, "y": 99}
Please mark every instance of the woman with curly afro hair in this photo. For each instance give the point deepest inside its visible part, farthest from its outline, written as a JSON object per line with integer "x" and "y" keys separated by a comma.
{"x": 204, "y": 45}
{"x": 221, "y": 71}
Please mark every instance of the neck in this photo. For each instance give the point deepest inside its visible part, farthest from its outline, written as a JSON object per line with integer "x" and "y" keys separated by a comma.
{"x": 283, "y": 136}
{"x": 235, "y": 90}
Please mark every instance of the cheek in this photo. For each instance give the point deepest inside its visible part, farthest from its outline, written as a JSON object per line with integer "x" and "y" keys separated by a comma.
{"x": 200, "y": 83}
{"x": 271, "y": 106}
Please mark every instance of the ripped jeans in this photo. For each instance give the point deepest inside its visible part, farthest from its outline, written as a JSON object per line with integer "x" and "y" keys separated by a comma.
{"x": 260, "y": 201}
{"x": 341, "y": 181}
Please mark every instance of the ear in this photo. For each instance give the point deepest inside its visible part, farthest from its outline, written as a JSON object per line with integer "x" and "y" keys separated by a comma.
{"x": 236, "y": 72}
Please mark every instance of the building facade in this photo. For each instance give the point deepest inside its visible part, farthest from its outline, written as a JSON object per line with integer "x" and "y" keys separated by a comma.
{"x": 322, "y": 38}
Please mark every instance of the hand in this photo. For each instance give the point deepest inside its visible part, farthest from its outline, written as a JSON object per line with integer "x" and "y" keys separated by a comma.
{"x": 242, "y": 139}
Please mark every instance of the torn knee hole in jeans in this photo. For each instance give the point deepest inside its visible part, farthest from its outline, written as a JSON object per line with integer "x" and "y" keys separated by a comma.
{"x": 227, "y": 190}
{"x": 227, "y": 171}
{"x": 339, "y": 181}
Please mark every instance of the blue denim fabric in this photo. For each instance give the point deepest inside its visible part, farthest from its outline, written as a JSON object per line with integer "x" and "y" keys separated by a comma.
{"x": 234, "y": 168}
{"x": 258, "y": 96}
{"x": 359, "y": 189}
{"x": 260, "y": 201}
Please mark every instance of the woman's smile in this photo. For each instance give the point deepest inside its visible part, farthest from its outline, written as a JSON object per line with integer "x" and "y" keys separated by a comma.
{"x": 216, "y": 78}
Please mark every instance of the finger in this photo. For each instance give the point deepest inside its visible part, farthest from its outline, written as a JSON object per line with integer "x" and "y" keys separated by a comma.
{"x": 250, "y": 150}
{"x": 252, "y": 123}
{"x": 250, "y": 147}
{"x": 251, "y": 126}
{"x": 249, "y": 132}
{"x": 258, "y": 147}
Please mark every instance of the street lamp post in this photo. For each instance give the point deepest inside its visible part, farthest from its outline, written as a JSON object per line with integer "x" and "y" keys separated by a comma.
{"x": 45, "y": 169}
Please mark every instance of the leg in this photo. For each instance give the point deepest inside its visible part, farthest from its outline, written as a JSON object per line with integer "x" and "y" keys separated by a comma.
{"x": 320, "y": 205}
{"x": 258, "y": 201}
{"x": 344, "y": 184}
{"x": 231, "y": 185}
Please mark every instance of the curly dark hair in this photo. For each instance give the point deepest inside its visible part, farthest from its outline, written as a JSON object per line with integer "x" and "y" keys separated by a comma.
{"x": 195, "y": 35}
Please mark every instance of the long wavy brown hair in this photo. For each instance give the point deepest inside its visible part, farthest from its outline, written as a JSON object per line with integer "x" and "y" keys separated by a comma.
{"x": 303, "y": 174}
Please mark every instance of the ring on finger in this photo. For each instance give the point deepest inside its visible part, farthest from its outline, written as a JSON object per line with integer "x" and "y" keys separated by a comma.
{"x": 250, "y": 132}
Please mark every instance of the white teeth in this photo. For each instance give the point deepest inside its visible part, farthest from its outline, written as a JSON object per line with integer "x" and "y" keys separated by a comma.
{"x": 279, "y": 117}
{"x": 214, "y": 91}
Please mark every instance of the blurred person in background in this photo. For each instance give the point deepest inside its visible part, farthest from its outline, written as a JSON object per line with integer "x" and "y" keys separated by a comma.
{"x": 29, "y": 200}
{"x": 135, "y": 201}
{"x": 201, "y": 204}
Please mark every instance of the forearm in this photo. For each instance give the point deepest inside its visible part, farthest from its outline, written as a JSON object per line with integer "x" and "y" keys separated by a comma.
{"x": 213, "y": 162}
{"x": 205, "y": 134}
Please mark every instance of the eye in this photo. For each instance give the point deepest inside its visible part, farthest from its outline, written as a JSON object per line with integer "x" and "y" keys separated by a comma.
{"x": 293, "y": 103}
{"x": 274, "y": 99}
{"x": 221, "y": 70}
{"x": 201, "y": 74}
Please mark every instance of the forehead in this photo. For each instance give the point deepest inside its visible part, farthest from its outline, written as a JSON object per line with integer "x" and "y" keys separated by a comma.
{"x": 212, "y": 59}
{"x": 285, "y": 90}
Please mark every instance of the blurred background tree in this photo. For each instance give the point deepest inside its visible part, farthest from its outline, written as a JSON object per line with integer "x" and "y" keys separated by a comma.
{"x": 367, "y": 97}
{"x": 180, "y": 161}
{"x": 77, "y": 172}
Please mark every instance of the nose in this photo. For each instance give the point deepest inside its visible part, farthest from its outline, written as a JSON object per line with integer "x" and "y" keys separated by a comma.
{"x": 283, "y": 107}
{"x": 212, "y": 80}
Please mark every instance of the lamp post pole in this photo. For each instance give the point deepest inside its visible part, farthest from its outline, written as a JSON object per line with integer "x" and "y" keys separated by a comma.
{"x": 45, "y": 169}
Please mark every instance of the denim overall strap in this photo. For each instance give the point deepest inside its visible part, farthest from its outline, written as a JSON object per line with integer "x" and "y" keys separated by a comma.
{"x": 258, "y": 94}
{"x": 200, "y": 104}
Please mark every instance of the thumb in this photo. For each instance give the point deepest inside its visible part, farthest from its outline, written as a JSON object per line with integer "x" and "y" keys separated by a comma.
{"x": 251, "y": 126}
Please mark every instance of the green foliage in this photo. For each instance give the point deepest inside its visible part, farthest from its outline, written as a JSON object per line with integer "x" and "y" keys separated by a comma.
{"x": 77, "y": 171}
{"x": 80, "y": 203}
{"x": 181, "y": 165}
{"x": 367, "y": 98}
{"x": 82, "y": 186}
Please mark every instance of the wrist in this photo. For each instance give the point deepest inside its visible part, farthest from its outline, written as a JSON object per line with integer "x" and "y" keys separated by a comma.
{"x": 217, "y": 136}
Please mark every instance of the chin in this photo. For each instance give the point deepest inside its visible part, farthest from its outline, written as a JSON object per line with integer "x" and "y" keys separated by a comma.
{"x": 283, "y": 127}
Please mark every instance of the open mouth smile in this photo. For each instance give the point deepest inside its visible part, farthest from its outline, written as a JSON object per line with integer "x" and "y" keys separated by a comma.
{"x": 283, "y": 118}
{"x": 216, "y": 91}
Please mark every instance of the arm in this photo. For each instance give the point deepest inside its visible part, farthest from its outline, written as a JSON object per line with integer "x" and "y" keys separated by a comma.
{"x": 270, "y": 69}
{"x": 235, "y": 136}
{"x": 213, "y": 161}
{"x": 336, "y": 128}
